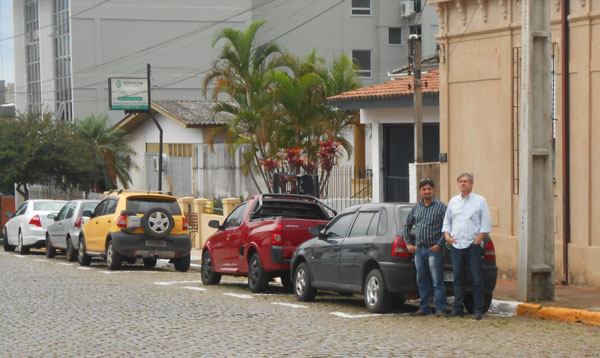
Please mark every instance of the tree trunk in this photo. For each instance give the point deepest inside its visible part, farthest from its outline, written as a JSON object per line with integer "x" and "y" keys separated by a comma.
{"x": 23, "y": 190}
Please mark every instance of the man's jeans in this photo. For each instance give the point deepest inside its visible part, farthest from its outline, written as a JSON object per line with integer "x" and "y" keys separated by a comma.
{"x": 430, "y": 267}
{"x": 472, "y": 255}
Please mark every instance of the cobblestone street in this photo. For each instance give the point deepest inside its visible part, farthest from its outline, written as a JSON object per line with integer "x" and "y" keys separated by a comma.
{"x": 52, "y": 308}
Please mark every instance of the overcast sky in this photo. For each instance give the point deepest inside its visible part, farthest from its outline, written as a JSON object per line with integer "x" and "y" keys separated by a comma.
{"x": 7, "y": 66}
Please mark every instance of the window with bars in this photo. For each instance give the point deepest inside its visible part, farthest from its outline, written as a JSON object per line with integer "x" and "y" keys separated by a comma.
{"x": 361, "y": 7}
{"x": 32, "y": 57}
{"x": 62, "y": 63}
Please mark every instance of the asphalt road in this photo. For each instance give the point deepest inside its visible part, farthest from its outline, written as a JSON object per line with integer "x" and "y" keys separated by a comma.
{"x": 52, "y": 308}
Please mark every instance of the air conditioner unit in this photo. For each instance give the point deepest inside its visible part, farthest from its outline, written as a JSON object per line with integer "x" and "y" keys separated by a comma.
{"x": 407, "y": 8}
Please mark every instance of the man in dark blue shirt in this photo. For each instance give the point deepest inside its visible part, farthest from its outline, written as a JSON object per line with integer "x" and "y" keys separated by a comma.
{"x": 428, "y": 217}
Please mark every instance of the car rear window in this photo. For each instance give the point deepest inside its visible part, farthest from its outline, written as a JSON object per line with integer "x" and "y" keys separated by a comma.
{"x": 89, "y": 206}
{"x": 48, "y": 205}
{"x": 141, "y": 205}
{"x": 291, "y": 209}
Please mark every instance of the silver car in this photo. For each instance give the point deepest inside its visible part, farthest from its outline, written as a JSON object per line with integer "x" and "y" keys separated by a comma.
{"x": 63, "y": 233}
{"x": 27, "y": 227}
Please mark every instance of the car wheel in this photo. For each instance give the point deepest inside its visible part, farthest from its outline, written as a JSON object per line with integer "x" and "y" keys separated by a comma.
{"x": 209, "y": 276}
{"x": 377, "y": 297}
{"x": 50, "y": 251}
{"x": 113, "y": 258}
{"x": 302, "y": 287}
{"x": 70, "y": 252}
{"x": 83, "y": 258}
{"x": 157, "y": 223}
{"x": 182, "y": 264}
{"x": 258, "y": 279}
{"x": 286, "y": 281}
{"x": 469, "y": 302}
{"x": 21, "y": 248}
{"x": 7, "y": 247}
{"x": 150, "y": 261}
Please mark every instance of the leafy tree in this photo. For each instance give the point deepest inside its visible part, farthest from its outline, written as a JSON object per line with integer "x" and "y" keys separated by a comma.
{"x": 239, "y": 73}
{"x": 111, "y": 156}
{"x": 34, "y": 149}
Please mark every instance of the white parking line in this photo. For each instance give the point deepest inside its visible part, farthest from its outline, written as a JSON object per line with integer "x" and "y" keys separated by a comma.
{"x": 120, "y": 272}
{"x": 351, "y": 316}
{"x": 84, "y": 268}
{"x": 238, "y": 295}
{"x": 64, "y": 264}
{"x": 168, "y": 283}
{"x": 195, "y": 265}
{"x": 291, "y": 305}
{"x": 195, "y": 288}
{"x": 40, "y": 260}
{"x": 19, "y": 256}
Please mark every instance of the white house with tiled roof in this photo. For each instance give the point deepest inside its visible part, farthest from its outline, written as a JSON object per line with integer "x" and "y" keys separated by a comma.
{"x": 387, "y": 111}
{"x": 190, "y": 167}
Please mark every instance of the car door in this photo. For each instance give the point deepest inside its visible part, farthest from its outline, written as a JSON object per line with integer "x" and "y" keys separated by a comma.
{"x": 355, "y": 248}
{"x": 326, "y": 250}
{"x": 221, "y": 246}
{"x": 105, "y": 224}
{"x": 12, "y": 227}
{"x": 92, "y": 228}
{"x": 57, "y": 228}
{"x": 67, "y": 225}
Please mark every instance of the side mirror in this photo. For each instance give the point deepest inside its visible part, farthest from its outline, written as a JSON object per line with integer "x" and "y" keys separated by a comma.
{"x": 88, "y": 213}
{"x": 215, "y": 224}
{"x": 51, "y": 216}
{"x": 10, "y": 215}
{"x": 316, "y": 231}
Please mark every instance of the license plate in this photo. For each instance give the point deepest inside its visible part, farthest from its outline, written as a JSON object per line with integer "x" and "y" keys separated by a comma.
{"x": 448, "y": 276}
{"x": 158, "y": 243}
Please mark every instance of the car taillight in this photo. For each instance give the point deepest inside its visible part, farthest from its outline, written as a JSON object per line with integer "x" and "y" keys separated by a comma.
{"x": 122, "y": 221}
{"x": 489, "y": 251}
{"x": 35, "y": 221}
{"x": 399, "y": 248}
{"x": 184, "y": 224}
{"x": 78, "y": 221}
{"x": 276, "y": 239}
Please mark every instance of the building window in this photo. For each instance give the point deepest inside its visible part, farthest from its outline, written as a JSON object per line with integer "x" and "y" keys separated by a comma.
{"x": 361, "y": 7}
{"x": 395, "y": 36}
{"x": 363, "y": 59}
{"x": 417, "y": 5}
{"x": 415, "y": 30}
{"x": 32, "y": 57}
{"x": 62, "y": 61}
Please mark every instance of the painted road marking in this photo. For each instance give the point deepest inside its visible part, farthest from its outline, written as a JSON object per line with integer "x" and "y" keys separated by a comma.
{"x": 64, "y": 264}
{"x": 195, "y": 288}
{"x": 40, "y": 260}
{"x": 238, "y": 295}
{"x": 120, "y": 272}
{"x": 351, "y": 316}
{"x": 84, "y": 268}
{"x": 168, "y": 283}
{"x": 291, "y": 305}
{"x": 19, "y": 256}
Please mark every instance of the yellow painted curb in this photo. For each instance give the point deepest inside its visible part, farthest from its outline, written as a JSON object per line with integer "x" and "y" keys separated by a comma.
{"x": 528, "y": 309}
{"x": 590, "y": 317}
{"x": 559, "y": 314}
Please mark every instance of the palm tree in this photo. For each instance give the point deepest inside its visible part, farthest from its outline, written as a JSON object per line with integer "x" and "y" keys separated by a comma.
{"x": 112, "y": 154}
{"x": 239, "y": 73}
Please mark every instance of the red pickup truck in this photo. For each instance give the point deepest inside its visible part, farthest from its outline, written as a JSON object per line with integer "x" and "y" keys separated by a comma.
{"x": 259, "y": 237}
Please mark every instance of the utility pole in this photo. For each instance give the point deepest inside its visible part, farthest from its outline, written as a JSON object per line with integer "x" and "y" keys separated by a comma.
{"x": 160, "y": 131}
{"x": 536, "y": 207}
{"x": 415, "y": 41}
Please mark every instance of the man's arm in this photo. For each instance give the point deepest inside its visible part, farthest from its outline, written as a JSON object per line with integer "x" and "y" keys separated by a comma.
{"x": 410, "y": 221}
{"x": 447, "y": 227}
{"x": 485, "y": 224}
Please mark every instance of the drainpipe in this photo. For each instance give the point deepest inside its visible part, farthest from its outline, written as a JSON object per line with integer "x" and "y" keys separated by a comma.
{"x": 566, "y": 198}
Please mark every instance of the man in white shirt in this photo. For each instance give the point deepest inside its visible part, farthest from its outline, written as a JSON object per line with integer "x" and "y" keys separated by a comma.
{"x": 466, "y": 224}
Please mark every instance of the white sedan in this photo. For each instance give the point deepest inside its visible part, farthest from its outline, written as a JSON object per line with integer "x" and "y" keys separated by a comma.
{"x": 27, "y": 227}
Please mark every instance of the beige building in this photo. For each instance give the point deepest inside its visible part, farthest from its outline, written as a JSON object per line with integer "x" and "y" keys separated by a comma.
{"x": 479, "y": 112}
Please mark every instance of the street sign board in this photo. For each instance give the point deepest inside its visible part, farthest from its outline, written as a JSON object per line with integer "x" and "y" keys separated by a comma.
{"x": 128, "y": 94}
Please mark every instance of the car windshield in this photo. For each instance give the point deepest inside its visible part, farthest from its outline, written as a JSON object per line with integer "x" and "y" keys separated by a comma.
{"x": 48, "y": 205}
{"x": 141, "y": 205}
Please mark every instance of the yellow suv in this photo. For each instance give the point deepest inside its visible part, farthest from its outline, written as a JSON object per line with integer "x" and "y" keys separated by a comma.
{"x": 127, "y": 225}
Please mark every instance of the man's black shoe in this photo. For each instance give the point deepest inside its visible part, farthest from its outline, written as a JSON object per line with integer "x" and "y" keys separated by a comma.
{"x": 420, "y": 313}
{"x": 478, "y": 316}
{"x": 455, "y": 314}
